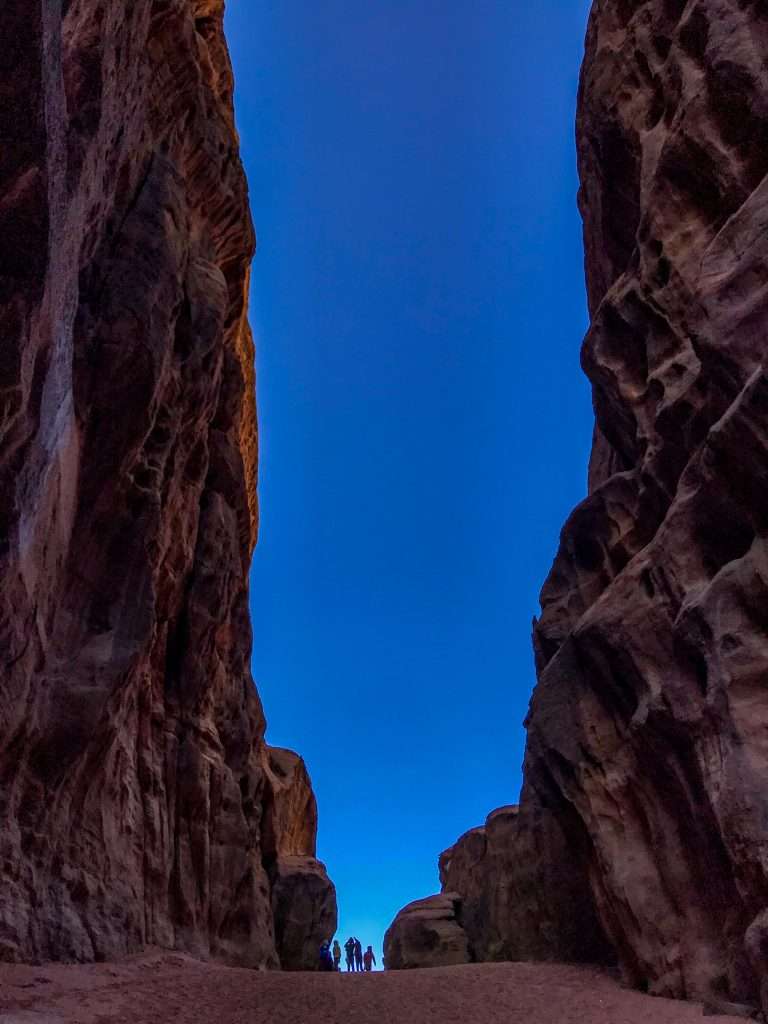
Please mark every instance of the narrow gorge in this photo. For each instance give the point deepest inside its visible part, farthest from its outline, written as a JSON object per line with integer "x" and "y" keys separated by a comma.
{"x": 640, "y": 838}
{"x": 140, "y": 804}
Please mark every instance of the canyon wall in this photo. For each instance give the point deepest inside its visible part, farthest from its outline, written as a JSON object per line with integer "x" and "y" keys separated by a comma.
{"x": 139, "y": 802}
{"x": 647, "y": 754}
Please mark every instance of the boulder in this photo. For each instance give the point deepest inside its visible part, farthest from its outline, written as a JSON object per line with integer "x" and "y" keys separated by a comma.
{"x": 427, "y": 933}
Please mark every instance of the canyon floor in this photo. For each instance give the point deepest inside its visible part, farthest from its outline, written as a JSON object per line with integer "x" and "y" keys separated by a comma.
{"x": 167, "y": 988}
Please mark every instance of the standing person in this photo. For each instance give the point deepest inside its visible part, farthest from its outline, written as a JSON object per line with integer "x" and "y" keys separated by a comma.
{"x": 326, "y": 962}
{"x": 369, "y": 959}
{"x": 336, "y": 955}
{"x": 349, "y": 949}
{"x": 358, "y": 955}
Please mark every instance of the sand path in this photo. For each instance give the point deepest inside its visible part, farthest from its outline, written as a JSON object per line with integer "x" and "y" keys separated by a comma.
{"x": 166, "y": 988}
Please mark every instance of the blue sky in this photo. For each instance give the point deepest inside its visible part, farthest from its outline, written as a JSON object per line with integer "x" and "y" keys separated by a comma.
{"x": 418, "y": 306}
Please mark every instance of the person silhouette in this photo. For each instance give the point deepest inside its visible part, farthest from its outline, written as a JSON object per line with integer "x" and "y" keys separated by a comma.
{"x": 349, "y": 949}
{"x": 326, "y": 960}
{"x": 369, "y": 959}
{"x": 358, "y": 955}
{"x": 336, "y": 954}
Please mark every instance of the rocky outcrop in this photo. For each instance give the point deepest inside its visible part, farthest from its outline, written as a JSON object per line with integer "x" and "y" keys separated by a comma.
{"x": 519, "y": 895}
{"x": 134, "y": 783}
{"x": 289, "y": 824}
{"x": 303, "y": 897}
{"x": 511, "y": 911}
{"x": 644, "y": 781}
{"x": 304, "y": 905}
{"x": 427, "y": 933}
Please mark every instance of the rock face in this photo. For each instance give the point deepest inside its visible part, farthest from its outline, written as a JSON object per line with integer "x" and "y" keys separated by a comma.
{"x": 139, "y": 803}
{"x": 521, "y": 894}
{"x": 427, "y": 933}
{"x": 304, "y": 905}
{"x": 303, "y": 897}
{"x": 508, "y": 911}
{"x": 644, "y": 795}
{"x": 477, "y": 866}
{"x": 647, "y": 728}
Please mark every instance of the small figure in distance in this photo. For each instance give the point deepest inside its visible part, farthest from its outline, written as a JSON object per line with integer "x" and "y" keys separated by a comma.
{"x": 326, "y": 960}
{"x": 336, "y": 955}
{"x": 369, "y": 959}
{"x": 358, "y": 955}
{"x": 349, "y": 949}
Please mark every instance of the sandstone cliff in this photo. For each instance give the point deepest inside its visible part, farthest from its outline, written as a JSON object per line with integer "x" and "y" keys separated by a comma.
{"x": 138, "y": 801}
{"x": 644, "y": 796}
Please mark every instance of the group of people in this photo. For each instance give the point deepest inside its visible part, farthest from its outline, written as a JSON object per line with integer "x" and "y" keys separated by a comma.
{"x": 357, "y": 960}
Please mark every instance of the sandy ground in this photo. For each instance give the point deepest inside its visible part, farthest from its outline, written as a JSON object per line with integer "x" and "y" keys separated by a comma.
{"x": 167, "y": 988}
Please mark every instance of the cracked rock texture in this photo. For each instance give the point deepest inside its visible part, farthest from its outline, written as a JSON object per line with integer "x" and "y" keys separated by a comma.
{"x": 138, "y": 800}
{"x": 644, "y": 795}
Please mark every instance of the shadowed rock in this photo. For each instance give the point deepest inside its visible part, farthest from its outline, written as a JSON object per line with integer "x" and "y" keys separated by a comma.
{"x": 645, "y": 730}
{"x": 303, "y": 897}
{"x": 304, "y": 905}
{"x": 509, "y": 901}
{"x": 427, "y": 933}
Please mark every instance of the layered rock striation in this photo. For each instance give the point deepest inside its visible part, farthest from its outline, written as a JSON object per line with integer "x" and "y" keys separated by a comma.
{"x": 138, "y": 800}
{"x": 644, "y": 796}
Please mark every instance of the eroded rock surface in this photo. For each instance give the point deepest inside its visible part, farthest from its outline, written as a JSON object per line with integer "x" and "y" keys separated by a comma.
{"x": 647, "y": 728}
{"x": 133, "y": 775}
{"x": 427, "y": 933}
{"x": 643, "y": 823}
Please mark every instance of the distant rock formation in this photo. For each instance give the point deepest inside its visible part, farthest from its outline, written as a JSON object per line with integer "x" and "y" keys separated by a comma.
{"x": 139, "y": 804}
{"x": 505, "y": 901}
{"x": 644, "y": 793}
{"x": 427, "y": 933}
{"x": 506, "y": 909}
{"x": 304, "y": 905}
{"x": 303, "y": 897}
{"x": 478, "y": 866}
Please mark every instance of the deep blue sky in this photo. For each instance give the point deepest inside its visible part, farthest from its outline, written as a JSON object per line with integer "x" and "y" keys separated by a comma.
{"x": 418, "y": 306}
